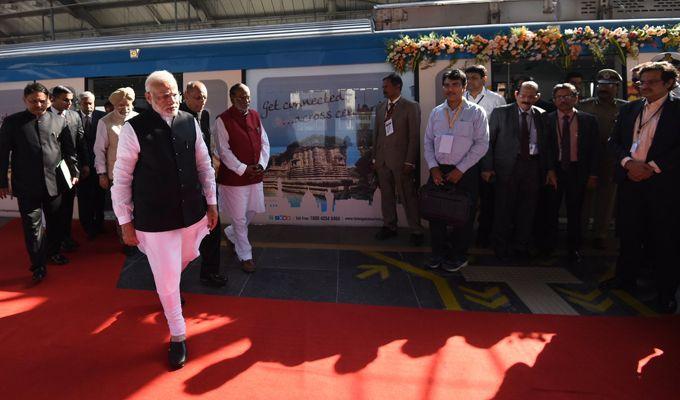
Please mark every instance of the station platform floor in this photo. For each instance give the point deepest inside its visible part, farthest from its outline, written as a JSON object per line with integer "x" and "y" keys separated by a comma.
{"x": 347, "y": 265}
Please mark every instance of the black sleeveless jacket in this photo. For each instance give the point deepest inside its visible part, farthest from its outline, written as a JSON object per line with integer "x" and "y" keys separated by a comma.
{"x": 166, "y": 191}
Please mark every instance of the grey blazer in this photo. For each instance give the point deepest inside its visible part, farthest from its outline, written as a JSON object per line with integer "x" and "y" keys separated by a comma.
{"x": 403, "y": 145}
{"x": 504, "y": 140}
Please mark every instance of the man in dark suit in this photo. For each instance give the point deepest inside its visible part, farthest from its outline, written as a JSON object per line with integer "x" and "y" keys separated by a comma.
{"x": 519, "y": 157}
{"x": 39, "y": 143}
{"x": 90, "y": 194}
{"x": 646, "y": 144}
{"x": 195, "y": 97}
{"x": 573, "y": 137}
{"x": 396, "y": 137}
{"x": 62, "y": 98}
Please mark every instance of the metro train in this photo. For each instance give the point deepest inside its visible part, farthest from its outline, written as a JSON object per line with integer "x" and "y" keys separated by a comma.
{"x": 319, "y": 148}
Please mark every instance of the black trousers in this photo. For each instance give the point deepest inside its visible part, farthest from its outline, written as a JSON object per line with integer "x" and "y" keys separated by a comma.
{"x": 210, "y": 251}
{"x": 457, "y": 243}
{"x": 485, "y": 220}
{"x": 66, "y": 210}
{"x": 571, "y": 189}
{"x": 41, "y": 243}
{"x": 91, "y": 204}
{"x": 647, "y": 219}
{"x": 516, "y": 199}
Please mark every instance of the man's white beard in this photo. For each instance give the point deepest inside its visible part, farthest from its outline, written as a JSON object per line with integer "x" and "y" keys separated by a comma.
{"x": 165, "y": 114}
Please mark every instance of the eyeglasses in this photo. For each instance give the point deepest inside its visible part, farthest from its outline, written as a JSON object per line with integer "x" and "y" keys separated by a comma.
{"x": 564, "y": 97}
{"x": 648, "y": 82}
{"x": 527, "y": 96}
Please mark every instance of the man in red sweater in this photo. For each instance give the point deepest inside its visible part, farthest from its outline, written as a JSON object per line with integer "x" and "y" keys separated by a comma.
{"x": 243, "y": 149}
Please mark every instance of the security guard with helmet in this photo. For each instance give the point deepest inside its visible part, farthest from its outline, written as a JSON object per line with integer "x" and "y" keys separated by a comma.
{"x": 673, "y": 58}
{"x": 599, "y": 202}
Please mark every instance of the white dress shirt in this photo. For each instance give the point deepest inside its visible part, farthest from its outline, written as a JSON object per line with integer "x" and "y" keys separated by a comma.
{"x": 487, "y": 99}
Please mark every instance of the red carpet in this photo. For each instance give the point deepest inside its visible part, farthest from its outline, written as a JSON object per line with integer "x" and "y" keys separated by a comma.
{"x": 75, "y": 336}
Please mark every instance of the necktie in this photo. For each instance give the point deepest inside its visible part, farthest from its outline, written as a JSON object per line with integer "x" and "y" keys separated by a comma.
{"x": 86, "y": 125}
{"x": 566, "y": 143}
{"x": 390, "y": 109}
{"x": 524, "y": 136}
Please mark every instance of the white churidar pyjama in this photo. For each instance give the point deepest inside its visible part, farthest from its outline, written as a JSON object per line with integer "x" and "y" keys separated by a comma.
{"x": 169, "y": 253}
{"x": 241, "y": 203}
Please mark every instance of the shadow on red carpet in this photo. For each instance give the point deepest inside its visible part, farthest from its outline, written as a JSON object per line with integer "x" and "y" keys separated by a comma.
{"x": 76, "y": 336}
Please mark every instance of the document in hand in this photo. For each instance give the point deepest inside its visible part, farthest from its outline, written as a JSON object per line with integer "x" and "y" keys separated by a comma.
{"x": 62, "y": 169}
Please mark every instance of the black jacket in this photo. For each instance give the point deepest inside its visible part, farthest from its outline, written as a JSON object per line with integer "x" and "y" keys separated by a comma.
{"x": 665, "y": 149}
{"x": 166, "y": 190}
{"x": 204, "y": 123}
{"x": 588, "y": 143}
{"x": 35, "y": 154}
{"x": 90, "y": 135}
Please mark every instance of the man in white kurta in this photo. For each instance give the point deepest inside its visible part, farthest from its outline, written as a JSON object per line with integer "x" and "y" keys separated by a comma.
{"x": 163, "y": 178}
{"x": 243, "y": 149}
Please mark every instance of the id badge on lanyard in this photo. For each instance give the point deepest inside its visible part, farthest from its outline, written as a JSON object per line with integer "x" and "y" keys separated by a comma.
{"x": 389, "y": 128}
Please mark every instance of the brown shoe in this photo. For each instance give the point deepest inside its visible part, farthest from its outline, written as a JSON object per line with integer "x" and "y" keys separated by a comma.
{"x": 248, "y": 266}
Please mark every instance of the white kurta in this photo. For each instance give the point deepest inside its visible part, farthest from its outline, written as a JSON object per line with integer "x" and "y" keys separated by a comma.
{"x": 240, "y": 203}
{"x": 168, "y": 252}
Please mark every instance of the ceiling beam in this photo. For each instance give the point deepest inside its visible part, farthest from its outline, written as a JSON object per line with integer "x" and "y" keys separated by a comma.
{"x": 156, "y": 16}
{"x": 260, "y": 19}
{"x": 89, "y": 6}
{"x": 77, "y": 11}
{"x": 201, "y": 10}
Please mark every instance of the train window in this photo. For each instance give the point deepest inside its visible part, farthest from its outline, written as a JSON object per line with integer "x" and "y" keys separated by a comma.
{"x": 320, "y": 126}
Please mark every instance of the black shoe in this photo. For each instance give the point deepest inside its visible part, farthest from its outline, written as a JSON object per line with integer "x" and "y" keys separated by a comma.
{"x": 434, "y": 262}
{"x": 385, "y": 233}
{"x": 574, "y": 257}
{"x": 618, "y": 284}
{"x": 177, "y": 354}
{"x": 39, "y": 274}
{"x": 455, "y": 265}
{"x": 215, "y": 280}
{"x": 57, "y": 259}
{"x": 668, "y": 306}
{"x": 417, "y": 239}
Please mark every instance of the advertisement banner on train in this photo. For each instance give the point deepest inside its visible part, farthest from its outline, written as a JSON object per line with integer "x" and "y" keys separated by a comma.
{"x": 320, "y": 127}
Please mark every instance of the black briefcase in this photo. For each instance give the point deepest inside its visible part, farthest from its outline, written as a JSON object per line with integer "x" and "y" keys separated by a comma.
{"x": 444, "y": 203}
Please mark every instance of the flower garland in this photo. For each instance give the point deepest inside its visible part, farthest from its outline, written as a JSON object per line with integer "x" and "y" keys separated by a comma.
{"x": 521, "y": 43}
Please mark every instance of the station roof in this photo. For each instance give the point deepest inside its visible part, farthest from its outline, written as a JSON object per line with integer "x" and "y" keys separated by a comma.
{"x": 29, "y": 21}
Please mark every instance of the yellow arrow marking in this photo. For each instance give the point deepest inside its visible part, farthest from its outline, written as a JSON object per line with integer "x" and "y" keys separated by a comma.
{"x": 372, "y": 270}
{"x": 581, "y": 296}
{"x": 449, "y": 300}
{"x": 487, "y": 294}
{"x": 489, "y": 304}
{"x": 602, "y": 307}
{"x": 634, "y": 303}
